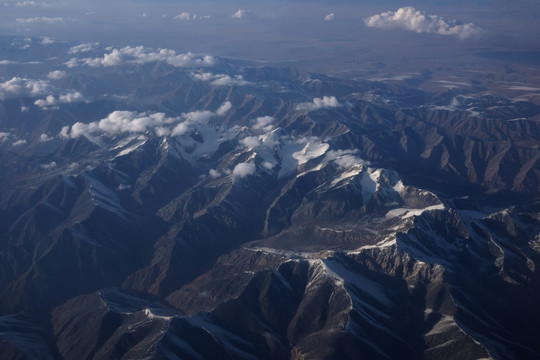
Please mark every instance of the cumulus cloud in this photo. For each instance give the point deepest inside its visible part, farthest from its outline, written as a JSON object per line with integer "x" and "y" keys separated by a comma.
{"x": 142, "y": 55}
{"x": 44, "y": 138}
{"x": 47, "y": 41}
{"x": 241, "y": 13}
{"x": 71, "y": 97}
{"x": 243, "y": 170}
{"x": 42, "y": 19}
{"x": 51, "y": 100}
{"x": 23, "y": 87}
{"x": 4, "y": 136}
{"x": 185, "y": 16}
{"x": 82, "y": 48}
{"x": 221, "y": 79}
{"x": 408, "y": 18}
{"x": 250, "y": 141}
{"x": 224, "y": 108}
{"x": 56, "y": 75}
{"x": 214, "y": 173}
{"x": 264, "y": 123}
{"x": 326, "y": 102}
{"x": 329, "y": 17}
{"x": 226, "y": 80}
{"x": 132, "y": 122}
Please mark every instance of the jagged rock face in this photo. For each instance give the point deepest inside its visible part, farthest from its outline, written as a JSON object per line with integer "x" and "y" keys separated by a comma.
{"x": 284, "y": 215}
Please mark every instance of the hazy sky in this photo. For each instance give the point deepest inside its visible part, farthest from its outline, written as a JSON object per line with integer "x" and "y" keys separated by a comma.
{"x": 283, "y": 30}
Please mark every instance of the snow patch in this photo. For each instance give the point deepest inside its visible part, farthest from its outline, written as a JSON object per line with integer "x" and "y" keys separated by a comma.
{"x": 310, "y": 151}
{"x": 369, "y": 184}
{"x": 405, "y": 213}
{"x": 347, "y": 175}
{"x": 151, "y": 315}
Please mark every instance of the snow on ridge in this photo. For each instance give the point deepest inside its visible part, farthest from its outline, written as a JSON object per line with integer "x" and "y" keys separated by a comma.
{"x": 140, "y": 141}
{"x": 369, "y": 184}
{"x": 347, "y": 175}
{"x": 104, "y": 197}
{"x": 406, "y": 213}
{"x": 310, "y": 151}
{"x": 386, "y": 242}
{"x": 151, "y": 315}
{"x": 292, "y": 254}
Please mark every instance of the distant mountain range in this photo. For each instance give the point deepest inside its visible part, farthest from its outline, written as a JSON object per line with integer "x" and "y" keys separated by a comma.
{"x": 163, "y": 205}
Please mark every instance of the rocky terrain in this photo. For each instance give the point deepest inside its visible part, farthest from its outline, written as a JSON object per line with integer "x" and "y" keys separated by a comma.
{"x": 164, "y": 205}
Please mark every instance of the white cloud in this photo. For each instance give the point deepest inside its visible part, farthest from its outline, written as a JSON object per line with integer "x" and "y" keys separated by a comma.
{"x": 19, "y": 142}
{"x": 226, "y": 80}
{"x": 243, "y": 170}
{"x": 224, "y": 108}
{"x": 47, "y": 41}
{"x": 51, "y": 100}
{"x": 263, "y": 123}
{"x": 122, "y": 122}
{"x": 4, "y": 136}
{"x": 25, "y": 3}
{"x": 207, "y": 76}
{"x": 31, "y": 3}
{"x": 185, "y": 16}
{"x": 44, "y": 138}
{"x": 221, "y": 79}
{"x": 326, "y": 102}
{"x": 82, "y": 48}
{"x": 180, "y": 129}
{"x": 24, "y": 108}
{"x": 72, "y": 63}
{"x": 56, "y": 75}
{"x": 71, "y": 97}
{"x": 23, "y": 87}
{"x": 241, "y": 13}
{"x": 142, "y": 55}
{"x": 250, "y": 141}
{"x": 214, "y": 173}
{"x": 42, "y": 19}
{"x": 8, "y": 62}
{"x": 48, "y": 166}
{"x": 408, "y": 18}
{"x": 330, "y": 17}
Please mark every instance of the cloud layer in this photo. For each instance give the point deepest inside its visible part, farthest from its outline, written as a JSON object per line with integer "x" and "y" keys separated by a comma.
{"x": 42, "y": 19}
{"x": 408, "y": 18}
{"x": 52, "y": 101}
{"x": 131, "y": 122}
{"x": 142, "y": 55}
{"x": 185, "y": 16}
{"x": 221, "y": 79}
{"x": 23, "y": 87}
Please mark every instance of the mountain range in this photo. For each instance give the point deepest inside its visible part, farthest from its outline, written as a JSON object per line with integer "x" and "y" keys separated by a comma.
{"x": 163, "y": 205}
